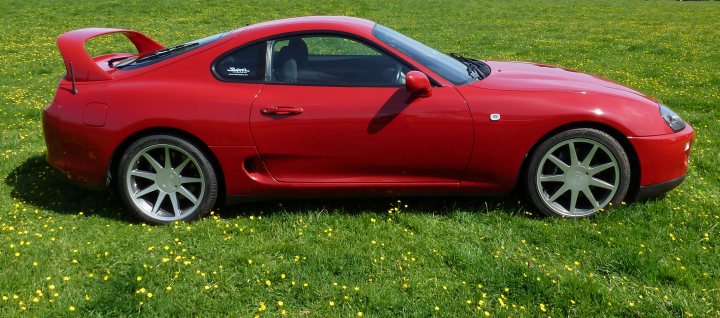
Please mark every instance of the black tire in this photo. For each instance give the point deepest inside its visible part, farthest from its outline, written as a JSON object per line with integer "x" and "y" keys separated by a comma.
{"x": 181, "y": 192}
{"x": 551, "y": 186}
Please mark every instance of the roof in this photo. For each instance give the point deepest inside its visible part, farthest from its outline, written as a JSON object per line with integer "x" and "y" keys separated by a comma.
{"x": 336, "y": 23}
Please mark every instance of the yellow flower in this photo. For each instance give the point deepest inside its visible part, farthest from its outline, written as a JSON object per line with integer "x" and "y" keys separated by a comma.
{"x": 139, "y": 278}
{"x": 331, "y": 303}
{"x": 437, "y": 308}
{"x": 360, "y": 313}
{"x": 71, "y": 308}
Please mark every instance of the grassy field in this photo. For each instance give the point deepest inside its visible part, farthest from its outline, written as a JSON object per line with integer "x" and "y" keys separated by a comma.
{"x": 65, "y": 251}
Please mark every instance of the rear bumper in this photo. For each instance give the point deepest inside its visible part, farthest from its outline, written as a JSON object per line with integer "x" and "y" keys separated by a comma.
{"x": 52, "y": 134}
{"x": 654, "y": 190}
{"x": 74, "y": 149}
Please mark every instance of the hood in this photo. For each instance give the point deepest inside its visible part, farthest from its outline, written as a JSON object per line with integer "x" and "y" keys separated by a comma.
{"x": 522, "y": 76}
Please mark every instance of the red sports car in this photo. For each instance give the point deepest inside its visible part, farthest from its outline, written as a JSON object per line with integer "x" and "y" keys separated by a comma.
{"x": 320, "y": 106}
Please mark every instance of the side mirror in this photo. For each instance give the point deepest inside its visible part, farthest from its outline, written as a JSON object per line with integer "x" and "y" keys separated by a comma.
{"x": 418, "y": 84}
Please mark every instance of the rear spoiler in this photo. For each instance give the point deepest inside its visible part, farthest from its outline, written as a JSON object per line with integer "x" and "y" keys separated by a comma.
{"x": 80, "y": 65}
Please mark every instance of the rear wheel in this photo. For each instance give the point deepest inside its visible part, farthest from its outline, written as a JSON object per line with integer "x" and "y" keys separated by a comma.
{"x": 578, "y": 173}
{"x": 164, "y": 178}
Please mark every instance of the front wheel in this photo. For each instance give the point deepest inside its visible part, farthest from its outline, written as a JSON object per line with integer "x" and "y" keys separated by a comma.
{"x": 578, "y": 173}
{"x": 164, "y": 178}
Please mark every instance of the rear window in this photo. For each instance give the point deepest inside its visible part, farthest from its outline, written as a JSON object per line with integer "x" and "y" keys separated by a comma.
{"x": 166, "y": 53}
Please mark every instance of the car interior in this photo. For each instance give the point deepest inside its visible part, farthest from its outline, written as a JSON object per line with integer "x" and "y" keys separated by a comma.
{"x": 328, "y": 60}
{"x": 293, "y": 63}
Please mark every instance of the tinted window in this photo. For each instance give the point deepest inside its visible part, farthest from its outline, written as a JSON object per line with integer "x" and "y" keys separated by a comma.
{"x": 333, "y": 60}
{"x": 243, "y": 65}
{"x": 447, "y": 67}
{"x": 166, "y": 53}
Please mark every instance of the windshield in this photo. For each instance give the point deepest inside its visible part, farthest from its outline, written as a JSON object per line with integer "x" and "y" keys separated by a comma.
{"x": 163, "y": 54}
{"x": 449, "y": 68}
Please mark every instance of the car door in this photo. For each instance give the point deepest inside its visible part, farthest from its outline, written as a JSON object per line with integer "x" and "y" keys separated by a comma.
{"x": 335, "y": 109}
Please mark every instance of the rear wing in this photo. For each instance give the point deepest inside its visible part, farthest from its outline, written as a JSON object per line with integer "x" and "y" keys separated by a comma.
{"x": 80, "y": 65}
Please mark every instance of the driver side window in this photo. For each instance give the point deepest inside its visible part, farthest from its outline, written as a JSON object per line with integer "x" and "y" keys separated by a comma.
{"x": 332, "y": 60}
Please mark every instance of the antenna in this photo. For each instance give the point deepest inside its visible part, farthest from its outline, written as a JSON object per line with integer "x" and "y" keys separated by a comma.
{"x": 72, "y": 77}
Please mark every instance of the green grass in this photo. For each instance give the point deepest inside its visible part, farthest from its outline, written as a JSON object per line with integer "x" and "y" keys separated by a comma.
{"x": 65, "y": 248}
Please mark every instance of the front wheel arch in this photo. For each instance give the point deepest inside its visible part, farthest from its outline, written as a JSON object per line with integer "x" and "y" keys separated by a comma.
{"x": 114, "y": 163}
{"x": 620, "y": 137}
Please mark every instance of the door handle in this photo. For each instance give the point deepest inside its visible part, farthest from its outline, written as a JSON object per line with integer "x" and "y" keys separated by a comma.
{"x": 281, "y": 110}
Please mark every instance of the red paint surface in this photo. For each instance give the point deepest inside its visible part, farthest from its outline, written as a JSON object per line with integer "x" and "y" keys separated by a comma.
{"x": 345, "y": 140}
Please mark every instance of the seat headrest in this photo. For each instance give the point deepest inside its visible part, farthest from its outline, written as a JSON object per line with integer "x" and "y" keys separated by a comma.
{"x": 298, "y": 49}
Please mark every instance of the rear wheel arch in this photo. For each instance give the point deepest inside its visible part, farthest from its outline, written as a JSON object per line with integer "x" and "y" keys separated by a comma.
{"x": 613, "y": 132}
{"x": 114, "y": 163}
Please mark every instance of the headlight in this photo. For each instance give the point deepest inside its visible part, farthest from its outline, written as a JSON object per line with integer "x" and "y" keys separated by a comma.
{"x": 671, "y": 118}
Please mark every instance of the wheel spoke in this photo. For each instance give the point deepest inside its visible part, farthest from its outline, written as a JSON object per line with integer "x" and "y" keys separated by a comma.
{"x": 553, "y": 178}
{"x": 180, "y": 167}
{"x": 158, "y": 202}
{"x": 590, "y": 156}
{"x": 168, "y": 164}
{"x": 559, "y": 163}
{"x": 573, "y": 154}
{"x": 588, "y": 194}
{"x": 156, "y": 165}
{"x": 184, "y": 192}
{"x": 143, "y": 174}
{"x": 602, "y": 184}
{"x": 157, "y": 186}
{"x": 184, "y": 180}
{"x": 597, "y": 169}
{"x": 559, "y": 192}
{"x": 145, "y": 191}
{"x": 174, "y": 201}
{"x": 575, "y": 170}
{"x": 573, "y": 200}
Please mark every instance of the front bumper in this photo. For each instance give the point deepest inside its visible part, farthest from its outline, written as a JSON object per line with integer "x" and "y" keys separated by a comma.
{"x": 663, "y": 160}
{"x": 654, "y": 190}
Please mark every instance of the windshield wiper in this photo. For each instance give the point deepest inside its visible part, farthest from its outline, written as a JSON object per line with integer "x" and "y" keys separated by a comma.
{"x": 471, "y": 65}
{"x": 164, "y": 52}
{"x": 156, "y": 54}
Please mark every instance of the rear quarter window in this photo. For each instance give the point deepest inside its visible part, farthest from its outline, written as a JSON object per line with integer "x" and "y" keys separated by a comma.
{"x": 246, "y": 64}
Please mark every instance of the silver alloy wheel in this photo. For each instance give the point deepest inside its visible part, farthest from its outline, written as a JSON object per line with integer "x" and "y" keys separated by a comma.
{"x": 573, "y": 187}
{"x": 165, "y": 182}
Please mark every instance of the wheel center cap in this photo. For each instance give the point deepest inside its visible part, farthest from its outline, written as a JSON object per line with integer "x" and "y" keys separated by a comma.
{"x": 577, "y": 178}
{"x": 168, "y": 180}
